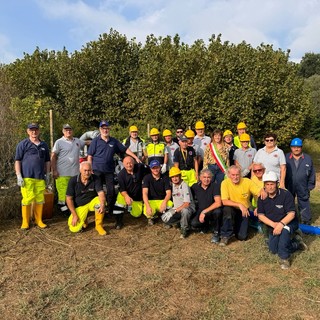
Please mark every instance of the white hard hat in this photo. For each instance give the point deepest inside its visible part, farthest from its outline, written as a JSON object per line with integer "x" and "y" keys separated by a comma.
{"x": 270, "y": 176}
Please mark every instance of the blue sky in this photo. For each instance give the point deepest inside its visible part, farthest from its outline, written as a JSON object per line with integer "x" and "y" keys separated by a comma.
{"x": 54, "y": 24}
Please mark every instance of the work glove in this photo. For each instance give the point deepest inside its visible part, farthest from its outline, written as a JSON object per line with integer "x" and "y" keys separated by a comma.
{"x": 20, "y": 181}
{"x": 164, "y": 168}
{"x": 167, "y": 215}
{"x": 47, "y": 179}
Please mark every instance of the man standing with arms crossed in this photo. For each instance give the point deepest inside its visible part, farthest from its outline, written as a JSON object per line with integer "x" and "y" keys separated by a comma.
{"x": 32, "y": 167}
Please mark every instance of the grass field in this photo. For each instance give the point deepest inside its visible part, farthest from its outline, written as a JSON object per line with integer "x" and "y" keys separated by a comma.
{"x": 143, "y": 272}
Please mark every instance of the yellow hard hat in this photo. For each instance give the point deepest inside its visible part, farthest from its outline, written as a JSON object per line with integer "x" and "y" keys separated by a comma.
{"x": 133, "y": 128}
{"x": 174, "y": 171}
{"x": 154, "y": 131}
{"x": 227, "y": 133}
{"x": 244, "y": 137}
{"x": 241, "y": 125}
{"x": 190, "y": 134}
{"x": 166, "y": 133}
{"x": 199, "y": 125}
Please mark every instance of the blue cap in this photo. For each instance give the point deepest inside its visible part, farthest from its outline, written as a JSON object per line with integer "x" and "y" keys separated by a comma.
{"x": 296, "y": 142}
{"x": 33, "y": 125}
{"x": 104, "y": 123}
{"x": 154, "y": 163}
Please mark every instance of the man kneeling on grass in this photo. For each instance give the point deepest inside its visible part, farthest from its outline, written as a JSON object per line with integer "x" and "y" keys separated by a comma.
{"x": 183, "y": 204}
{"x": 277, "y": 211}
{"x": 84, "y": 194}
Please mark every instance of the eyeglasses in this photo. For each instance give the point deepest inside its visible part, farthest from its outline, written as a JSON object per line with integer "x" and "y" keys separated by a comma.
{"x": 269, "y": 140}
{"x": 179, "y": 131}
{"x": 257, "y": 170}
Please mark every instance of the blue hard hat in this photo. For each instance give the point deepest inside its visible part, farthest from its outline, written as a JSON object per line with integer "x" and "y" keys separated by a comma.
{"x": 296, "y": 142}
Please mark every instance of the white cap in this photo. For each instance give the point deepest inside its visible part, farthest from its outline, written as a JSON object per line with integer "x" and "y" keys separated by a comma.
{"x": 270, "y": 176}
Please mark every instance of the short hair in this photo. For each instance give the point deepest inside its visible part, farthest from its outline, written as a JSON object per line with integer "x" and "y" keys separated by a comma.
{"x": 217, "y": 131}
{"x": 270, "y": 134}
{"x": 85, "y": 163}
{"x": 258, "y": 164}
{"x": 204, "y": 171}
{"x": 233, "y": 167}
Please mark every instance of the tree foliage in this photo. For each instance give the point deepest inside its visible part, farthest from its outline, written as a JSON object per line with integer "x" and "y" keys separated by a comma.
{"x": 167, "y": 83}
{"x": 310, "y": 65}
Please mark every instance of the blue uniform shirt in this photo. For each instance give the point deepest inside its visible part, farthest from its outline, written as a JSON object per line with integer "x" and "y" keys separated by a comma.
{"x": 102, "y": 153}
{"x": 278, "y": 207}
{"x": 33, "y": 158}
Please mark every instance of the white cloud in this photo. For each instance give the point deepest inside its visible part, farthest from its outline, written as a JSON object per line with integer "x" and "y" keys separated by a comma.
{"x": 6, "y": 53}
{"x": 285, "y": 24}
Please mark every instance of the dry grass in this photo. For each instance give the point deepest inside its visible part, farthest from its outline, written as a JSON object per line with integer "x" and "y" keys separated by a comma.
{"x": 145, "y": 272}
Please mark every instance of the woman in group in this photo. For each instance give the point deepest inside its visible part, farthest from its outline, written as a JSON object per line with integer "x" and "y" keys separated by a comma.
{"x": 272, "y": 158}
{"x": 216, "y": 156}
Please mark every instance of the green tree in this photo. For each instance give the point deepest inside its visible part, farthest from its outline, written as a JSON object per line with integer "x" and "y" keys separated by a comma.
{"x": 95, "y": 82}
{"x": 310, "y": 65}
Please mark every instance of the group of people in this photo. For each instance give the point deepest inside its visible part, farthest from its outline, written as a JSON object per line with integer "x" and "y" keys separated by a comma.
{"x": 191, "y": 181}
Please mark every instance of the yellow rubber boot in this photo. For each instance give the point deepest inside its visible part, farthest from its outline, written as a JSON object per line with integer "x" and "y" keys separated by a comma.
{"x": 38, "y": 208}
{"x": 26, "y": 213}
{"x": 99, "y": 222}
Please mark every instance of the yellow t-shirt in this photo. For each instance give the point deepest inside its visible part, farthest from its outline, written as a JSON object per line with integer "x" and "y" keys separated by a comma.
{"x": 260, "y": 184}
{"x": 240, "y": 192}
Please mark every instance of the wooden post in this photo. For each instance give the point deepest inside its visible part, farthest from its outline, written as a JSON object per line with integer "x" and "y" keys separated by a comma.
{"x": 51, "y": 128}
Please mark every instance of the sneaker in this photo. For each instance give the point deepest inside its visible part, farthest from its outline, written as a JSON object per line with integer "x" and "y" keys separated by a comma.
{"x": 299, "y": 242}
{"x": 118, "y": 226}
{"x": 224, "y": 241}
{"x": 150, "y": 222}
{"x": 184, "y": 233}
{"x": 284, "y": 264}
{"x": 215, "y": 238}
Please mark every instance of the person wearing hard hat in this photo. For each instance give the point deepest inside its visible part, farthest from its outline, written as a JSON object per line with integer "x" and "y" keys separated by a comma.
{"x": 130, "y": 190}
{"x": 65, "y": 163}
{"x": 236, "y": 193}
{"x": 135, "y": 143}
{"x": 185, "y": 159}
{"x": 171, "y": 147}
{"x": 32, "y": 167}
{"x": 242, "y": 128}
{"x": 183, "y": 204}
{"x": 156, "y": 150}
{"x": 228, "y": 139}
{"x": 272, "y": 157}
{"x": 244, "y": 156}
{"x": 190, "y": 135}
{"x": 216, "y": 157}
{"x": 207, "y": 194}
{"x": 277, "y": 211}
{"x": 201, "y": 141}
{"x": 101, "y": 155}
{"x": 300, "y": 178}
{"x": 156, "y": 192}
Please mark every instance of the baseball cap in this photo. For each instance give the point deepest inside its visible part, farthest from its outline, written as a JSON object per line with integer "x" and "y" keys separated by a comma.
{"x": 67, "y": 126}
{"x": 33, "y": 125}
{"x": 104, "y": 123}
{"x": 183, "y": 138}
{"x": 154, "y": 163}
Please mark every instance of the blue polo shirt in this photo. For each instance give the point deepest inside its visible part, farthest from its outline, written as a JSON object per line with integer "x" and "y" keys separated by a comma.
{"x": 102, "y": 153}
{"x": 33, "y": 158}
{"x": 278, "y": 207}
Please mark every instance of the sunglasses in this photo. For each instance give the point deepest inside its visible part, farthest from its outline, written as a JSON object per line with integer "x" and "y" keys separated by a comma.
{"x": 180, "y": 131}
{"x": 269, "y": 140}
{"x": 257, "y": 170}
